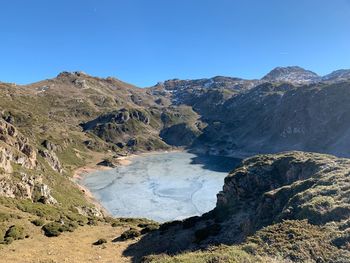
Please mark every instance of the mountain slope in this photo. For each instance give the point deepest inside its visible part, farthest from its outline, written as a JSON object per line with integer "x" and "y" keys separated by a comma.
{"x": 338, "y": 75}
{"x": 279, "y": 117}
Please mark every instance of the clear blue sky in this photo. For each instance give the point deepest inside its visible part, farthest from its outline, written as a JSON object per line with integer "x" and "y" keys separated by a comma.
{"x": 145, "y": 41}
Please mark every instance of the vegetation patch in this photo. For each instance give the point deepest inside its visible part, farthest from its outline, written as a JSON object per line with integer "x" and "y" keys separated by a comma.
{"x": 297, "y": 241}
{"x": 100, "y": 242}
{"x": 146, "y": 228}
{"x": 54, "y": 229}
{"x": 130, "y": 234}
{"x": 38, "y": 222}
{"x": 15, "y": 232}
{"x": 221, "y": 254}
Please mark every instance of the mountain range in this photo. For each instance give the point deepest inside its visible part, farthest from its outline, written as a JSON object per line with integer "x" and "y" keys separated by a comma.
{"x": 290, "y": 206}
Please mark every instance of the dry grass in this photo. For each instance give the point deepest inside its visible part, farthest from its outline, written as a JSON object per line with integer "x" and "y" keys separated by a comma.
{"x": 69, "y": 247}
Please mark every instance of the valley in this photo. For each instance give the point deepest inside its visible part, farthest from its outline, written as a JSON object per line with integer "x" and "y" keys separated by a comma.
{"x": 290, "y": 202}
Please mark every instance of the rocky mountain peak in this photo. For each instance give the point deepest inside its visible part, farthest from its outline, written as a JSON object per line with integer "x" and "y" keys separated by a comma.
{"x": 65, "y": 74}
{"x": 338, "y": 75}
{"x": 293, "y": 74}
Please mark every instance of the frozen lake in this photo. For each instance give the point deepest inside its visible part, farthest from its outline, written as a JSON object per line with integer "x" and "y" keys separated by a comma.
{"x": 161, "y": 186}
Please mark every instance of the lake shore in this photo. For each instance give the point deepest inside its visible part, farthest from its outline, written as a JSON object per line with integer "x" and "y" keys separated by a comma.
{"x": 93, "y": 166}
{"x": 162, "y": 186}
{"x": 77, "y": 177}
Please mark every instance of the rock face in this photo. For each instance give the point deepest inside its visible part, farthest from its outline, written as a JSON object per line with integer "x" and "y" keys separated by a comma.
{"x": 180, "y": 134}
{"x": 128, "y": 128}
{"x": 89, "y": 211}
{"x": 28, "y": 187}
{"x": 150, "y": 129}
{"x": 14, "y": 147}
{"x": 52, "y": 160}
{"x": 119, "y": 118}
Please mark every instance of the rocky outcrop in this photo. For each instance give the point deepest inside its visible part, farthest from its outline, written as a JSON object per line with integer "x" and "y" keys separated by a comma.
{"x": 294, "y": 185}
{"x": 89, "y": 211}
{"x": 128, "y": 129}
{"x": 15, "y": 148}
{"x": 180, "y": 134}
{"x": 120, "y": 117}
{"x": 27, "y": 187}
{"x": 52, "y": 160}
{"x": 50, "y": 146}
{"x": 109, "y": 162}
{"x": 120, "y": 126}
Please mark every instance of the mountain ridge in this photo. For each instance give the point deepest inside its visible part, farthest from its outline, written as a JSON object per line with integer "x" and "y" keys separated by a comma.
{"x": 335, "y": 75}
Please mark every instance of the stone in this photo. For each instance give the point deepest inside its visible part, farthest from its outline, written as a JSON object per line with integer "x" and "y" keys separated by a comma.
{"x": 52, "y": 160}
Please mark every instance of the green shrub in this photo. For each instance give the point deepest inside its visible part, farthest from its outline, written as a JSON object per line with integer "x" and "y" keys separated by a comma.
{"x": 167, "y": 225}
{"x": 38, "y": 209}
{"x": 92, "y": 222}
{"x": 15, "y": 232}
{"x": 8, "y": 240}
{"x": 100, "y": 242}
{"x": 130, "y": 234}
{"x": 149, "y": 228}
{"x": 4, "y": 217}
{"x": 53, "y": 229}
{"x": 70, "y": 226}
{"x": 116, "y": 224}
{"x": 38, "y": 222}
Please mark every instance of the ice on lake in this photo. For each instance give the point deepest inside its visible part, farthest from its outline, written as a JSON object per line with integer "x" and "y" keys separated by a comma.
{"x": 161, "y": 186}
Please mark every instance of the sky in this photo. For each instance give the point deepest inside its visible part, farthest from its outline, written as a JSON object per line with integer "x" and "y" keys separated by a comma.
{"x": 146, "y": 41}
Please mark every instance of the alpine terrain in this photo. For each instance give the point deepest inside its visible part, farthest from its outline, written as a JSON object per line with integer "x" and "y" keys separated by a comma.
{"x": 287, "y": 201}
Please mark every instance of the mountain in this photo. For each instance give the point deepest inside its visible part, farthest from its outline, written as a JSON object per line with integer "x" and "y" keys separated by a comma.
{"x": 190, "y": 91}
{"x": 51, "y": 128}
{"x": 201, "y": 94}
{"x": 273, "y": 118}
{"x": 294, "y": 74}
{"x": 338, "y": 75}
